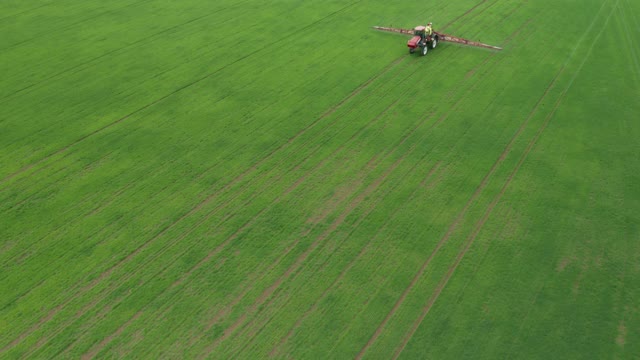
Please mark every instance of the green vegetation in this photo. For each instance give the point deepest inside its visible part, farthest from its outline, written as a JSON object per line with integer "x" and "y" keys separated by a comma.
{"x": 245, "y": 179}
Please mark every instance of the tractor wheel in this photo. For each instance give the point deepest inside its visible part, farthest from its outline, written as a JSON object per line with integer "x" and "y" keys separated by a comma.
{"x": 424, "y": 50}
{"x": 434, "y": 43}
{"x": 412, "y": 50}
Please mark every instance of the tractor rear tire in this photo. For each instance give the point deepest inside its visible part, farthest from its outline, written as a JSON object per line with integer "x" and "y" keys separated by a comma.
{"x": 434, "y": 43}
{"x": 424, "y": 50}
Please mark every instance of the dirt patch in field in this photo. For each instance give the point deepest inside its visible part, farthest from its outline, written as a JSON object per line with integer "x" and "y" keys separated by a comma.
{"x": 563, "y": 264}
{"x": 622, "y": 334}
{"x": 338, "y": 197}
{"x": 97, "y": 348}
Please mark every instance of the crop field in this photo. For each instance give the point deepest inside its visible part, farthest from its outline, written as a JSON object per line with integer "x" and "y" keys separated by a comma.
{"x": 274, "y": 179}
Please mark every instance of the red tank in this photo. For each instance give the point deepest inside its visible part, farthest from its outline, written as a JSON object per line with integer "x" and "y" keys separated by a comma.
{"x": 413, "y": 42}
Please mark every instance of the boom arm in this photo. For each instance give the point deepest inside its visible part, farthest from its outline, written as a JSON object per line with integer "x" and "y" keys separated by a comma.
{"x": 455, "y": 39}
{"x": 442, "y": 37}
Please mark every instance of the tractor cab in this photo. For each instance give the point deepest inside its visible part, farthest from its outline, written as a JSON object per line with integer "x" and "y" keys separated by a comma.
{"x": 418, "y": 30}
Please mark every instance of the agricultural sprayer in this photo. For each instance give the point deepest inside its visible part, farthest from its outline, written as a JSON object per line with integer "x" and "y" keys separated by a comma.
{"x": 424, "y": 40}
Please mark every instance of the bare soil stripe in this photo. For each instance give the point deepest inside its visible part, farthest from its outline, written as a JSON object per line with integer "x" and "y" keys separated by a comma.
{"x": 476, "y": 13}
{"x": 315, "y": 169}
{"x": 106, "y": 54}
{"x": 208, "y": 257}
{"x": 219, "y": 248}
{"x": 275, "y": 350}
{"x": 18, "y": 14}
{"x": 252, "y": 330}
{"x": 463, "y": 14}
{"x": 370, "y": 166}
{"x": 179, "y": 89}
{"x": 70, "y": 26}
{"x": 301, "y": 259}
{"x": 295, "y": 185}
{"x": 97, "y": 348}
{"x": 480, "y": 224}
{"x": 92, "y": 304}
{"x": 456, "y": 221}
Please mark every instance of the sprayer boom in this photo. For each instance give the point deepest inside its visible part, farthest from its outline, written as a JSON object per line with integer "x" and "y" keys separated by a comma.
{"x": 437, "y": 35}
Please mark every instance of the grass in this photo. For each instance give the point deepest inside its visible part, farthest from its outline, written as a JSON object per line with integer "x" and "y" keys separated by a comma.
{"x": 237, "y": 179}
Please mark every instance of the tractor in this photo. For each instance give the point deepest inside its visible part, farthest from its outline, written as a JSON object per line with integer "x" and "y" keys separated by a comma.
{"x": 422, "y": 41}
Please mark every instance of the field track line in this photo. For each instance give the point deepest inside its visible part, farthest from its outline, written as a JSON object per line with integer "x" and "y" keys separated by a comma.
{"x": 476, "y": 14}
{"x": 87, "y": 288}
{"x": 480, "y": 224}
{"x": 84, "y": 169}
{"x": 97, "y": 348}
{"x": 473, "y": 70}
{"x": 287, "y": 191}
{"x": 331, "y": 156}
{"x": 179, "y": 89}
{"x": 275, "y": 350}
{"x": 225, "y": 311}
{"x": 26, "y": 11}
{"x": 239, "y": 298}
{"x": 364, "y": 85}
{"x": 254, "y": 331}
{"x": 499, "y": 234}
{"x": 267, "y": 294}
{"x": 524, "y": 320}
{"x": 633, "y": 54}
{"x": 97, "y": 233}
{"x": 300, "y": 260}
{"x": 133, "y": 44}
{"x": 513, "y": 35}
{"x": 296, "y": 183}
{"x": 463, "y": 15}
{"x": 70, "y": 26}
{"x": 388, "y": 153}
{"x": 460, "y": 215}
{"x": 326, "y": 114}
{"x": 359, "y": 89}
{"x": 513, "y": 11}
{"x": 432, "y": 125}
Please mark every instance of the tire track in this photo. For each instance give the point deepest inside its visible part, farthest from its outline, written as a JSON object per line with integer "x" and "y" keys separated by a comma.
{"x": 460, "y": 215}
{"x": 276, "y": 349}
{"x": 26, "y": 11}
{"x": 463, "y": 14}
{"x": 253, "y": 331}
{"x": 633, "y": 51}
{"x": 177, "y": 90}
{"x": 108, "y": 273}
{"x": 476, "y": 14}
{"x": 94, "y": 351}
{"x": 228, "y": 309}
{"x": 463, "y": 97}
{"x": 70, "y": 26}
{"x": 286, "y": 192}
{"x": 110, "y": 52}
{"x": 303, "y": 257}
{"x": 407, "y": 136}
{"x": 480, "y": 224}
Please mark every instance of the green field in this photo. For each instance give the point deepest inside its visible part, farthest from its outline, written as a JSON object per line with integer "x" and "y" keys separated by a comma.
{"x": 273, "y": 179}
